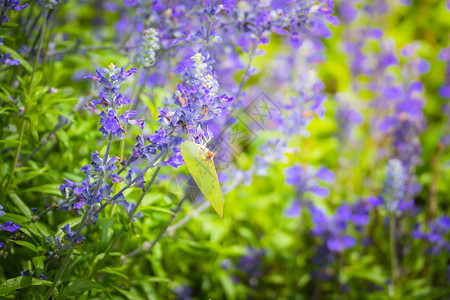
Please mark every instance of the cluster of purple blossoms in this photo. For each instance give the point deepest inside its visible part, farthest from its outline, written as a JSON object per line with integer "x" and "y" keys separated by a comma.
{"x": 183, "y": 292}
{"x": 148, "y": 45}
{"x": 446, "y": 138}
{"x": 334, "y": 230}
{"x": 249, "y": 267}
{"x": 347, "y": 117}
{"x": 306, "y": 180}
{"x": 198, "y": 101}
{"x": 395, "y": 189}
{"x": 436, "y": 235}
{"x": 306, "y": 90}
{"x": 95, "y": 189}
{"x": 109, "y": 80}
{"x": 444, "y": 55}
{"x": 398, "y": 102}
{"x": 71, "y": 235}
{"x": 255, "y": 20}
{"x": 28, "y": 273}
{"x": 4, "y": 7}
{"x": 8, "y": 226}
{"x": 406, "y": 122}
{"x": 9, "y": 5}
{"x": 6, "y": 60}
{"x": 88, "y": 192}
{"x": 444, "y": 91}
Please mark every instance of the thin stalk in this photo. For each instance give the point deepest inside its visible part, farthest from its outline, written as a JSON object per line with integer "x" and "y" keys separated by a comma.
{"x": 393, "y": 252}
{"x": 52, "y": 26}
{"x": 80, "y": 227}
{"x": 106, "y": 253}
{"x": 208, "y": 31}
{"x": 16, "y": 158}
{"x": 130, "y": 215}
{"x": 135, "y": 82}
{"x": 45, "y": 141}
{"x": 146, "y": 246}
{"x": 67, "y": 258}
{"x": 245, "y": 76}
{"x": 141, "y": 89}
{"x": 241, "y": 86}
{"x": 147, "y": 188}
{"x": 41, "y": 39}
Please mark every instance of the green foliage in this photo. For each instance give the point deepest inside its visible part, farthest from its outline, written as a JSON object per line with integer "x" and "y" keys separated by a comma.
{"x": 193, "y": 253}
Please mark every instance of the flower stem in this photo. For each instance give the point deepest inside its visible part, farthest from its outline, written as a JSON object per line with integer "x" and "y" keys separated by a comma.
{"x": 393, "y": 252}
{"x": 106, "y": 253}
{"x": 135, "y": 82}
{"x": 41, "y": 39}
{"x": 148, "y": 246}
{"x": 147, "y": 188}
{"x": 130, "y": 215}
{"x": 16, "y": 157}
{"x": 67, "y": 258}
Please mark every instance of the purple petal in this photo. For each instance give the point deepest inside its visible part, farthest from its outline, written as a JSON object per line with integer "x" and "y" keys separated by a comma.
{"x": 324, "y": 174}
{"x": 320, "y": 191}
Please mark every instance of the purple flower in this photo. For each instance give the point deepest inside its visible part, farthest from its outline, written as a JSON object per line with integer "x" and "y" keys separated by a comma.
{"x": 375, "y": 201}
{"x": 228, "y": 4}
{"x": 10, "y": 4}
{"x": 340, "y": 243}
{"x": 9, "y": 226}
{"x": 129, "y": 208}
{"x": 70, "y": 235}
{"x": 293, "y": 174}
{"x": 324, "y": 174}
{"x": 252, "y": 263}
{"x": 130, "y": 2}
{"x": 444, "y": 91}
{"x": 6, "y": 60}
{"x": 294, "y": 211}
{"x": 435, "y": 235}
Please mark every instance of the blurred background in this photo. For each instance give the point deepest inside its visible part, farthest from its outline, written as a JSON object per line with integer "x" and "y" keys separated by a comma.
{"x": 335, "y": 164}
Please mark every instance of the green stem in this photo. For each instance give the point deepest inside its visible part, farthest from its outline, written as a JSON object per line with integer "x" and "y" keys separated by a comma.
{"x": 135, "y": 82}
{"x": 106, "y": 253}
{"x": 16, "y": 158}
{"x": 81, "y": 226}
{"x": 148, "y": 246}
{"x": 41, "y": 39}
{"x": 130, "y": 215}
{"x": 393, "y": 252}
{"x": 67, "y": 258}
{"x": 147, "y": 188}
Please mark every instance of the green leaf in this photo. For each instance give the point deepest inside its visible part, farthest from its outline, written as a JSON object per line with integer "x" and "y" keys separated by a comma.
{"x": 48, "y": 189}
{"x": 25, "y": 244}
{"x": 20, "y": 205}
{"x": 78, "y": 287}
{"x": 9, "y": 142}
{"x": 158, "y": 279}
{"x": 9, "y": 25}
{"x": 128, "y": 295}
{"x": 228, "y": 286}
{"x": 114, "y": 272}
{"x": 62, "y": 135}
{"x": 38, "y": 262}
{"x": 159, "y": 209}
{"x": 20, "y": 282}
{"x": 34, "y": 121}
{"x": 36, "y": 230}
{"x": 374, "y": 275}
